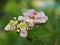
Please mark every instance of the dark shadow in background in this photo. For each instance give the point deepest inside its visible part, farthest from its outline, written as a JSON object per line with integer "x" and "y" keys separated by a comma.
{"x": 2, "y": 3}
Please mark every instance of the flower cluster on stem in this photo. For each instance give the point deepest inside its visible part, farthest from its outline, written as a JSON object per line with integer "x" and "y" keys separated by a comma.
{"x": 27, "y": 21}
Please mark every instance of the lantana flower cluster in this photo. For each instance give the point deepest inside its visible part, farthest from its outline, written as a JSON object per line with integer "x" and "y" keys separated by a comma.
{"x": 26, "y": 22}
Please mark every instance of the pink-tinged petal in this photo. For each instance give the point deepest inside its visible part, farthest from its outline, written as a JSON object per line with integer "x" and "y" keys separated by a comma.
{"x": 26, "y": 18}
{"x": 36, "y": 20}
{"x": 30, "y": 13}
{"x": 43, "y": 19}
{"x": 23, "y": 33}
{"x": 39, "y": 14}
{"x": 12, "y": 27}
{"x": 40, "y": 17}
{"x": 31, "y": 24}
{"x": 42, "y": 13}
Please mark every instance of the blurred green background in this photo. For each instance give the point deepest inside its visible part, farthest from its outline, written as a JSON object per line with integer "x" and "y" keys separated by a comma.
{"x": 44, "y": 34}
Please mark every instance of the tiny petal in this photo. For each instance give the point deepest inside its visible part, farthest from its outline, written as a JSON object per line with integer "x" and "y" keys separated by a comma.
{"x": 39, "y": 14}
{"x": 7, "y": 27}
{"x": 40, "y": 17}
{"x": 22, "y": 25}
{"x": 15, "y": 22}
{"x": 23, "y": 33}
{"x": 43, "y": 19}
{"x": 11, "y": 21}
{"x": 31, "y": 20}
{"x": 18, "y": 30}
{"x": 27, "y": 28}
{"x": 13, "y": 27}
{"x": 31, "y": 23}
{"x": 30, "y": 13}
{"x": 36, "y": 20}
{"x": 20, "y": 18}
{"x": 14, "y": 18}
{"x": 26, "y": 18}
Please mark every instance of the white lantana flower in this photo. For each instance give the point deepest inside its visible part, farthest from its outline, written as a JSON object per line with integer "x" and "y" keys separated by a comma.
{"x": 7, "y": 27}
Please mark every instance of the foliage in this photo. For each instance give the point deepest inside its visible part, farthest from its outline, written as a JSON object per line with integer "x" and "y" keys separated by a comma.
{"x": 43, "y": 34}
